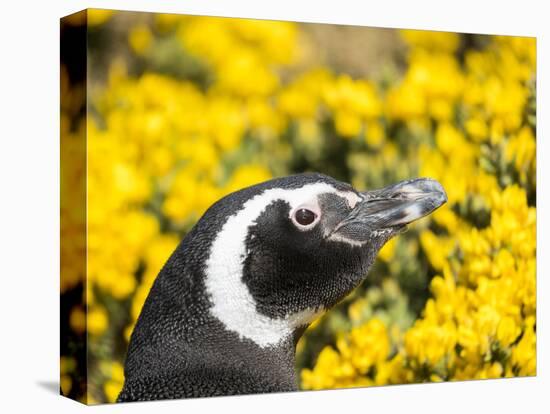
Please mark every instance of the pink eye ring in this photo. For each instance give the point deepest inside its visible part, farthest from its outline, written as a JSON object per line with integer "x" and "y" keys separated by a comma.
{"x": 304, "y": 217}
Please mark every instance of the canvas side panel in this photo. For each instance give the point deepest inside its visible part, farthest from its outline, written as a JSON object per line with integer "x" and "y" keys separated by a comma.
{"x": 73, "y": 346}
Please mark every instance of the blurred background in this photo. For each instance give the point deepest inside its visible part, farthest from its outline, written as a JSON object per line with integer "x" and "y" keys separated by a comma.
{"x": 185, "y": 109}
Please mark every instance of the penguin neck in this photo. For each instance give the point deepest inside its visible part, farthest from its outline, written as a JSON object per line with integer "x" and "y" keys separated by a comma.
{"x": 195, "y": 339}
{"x": 233, "y": 304}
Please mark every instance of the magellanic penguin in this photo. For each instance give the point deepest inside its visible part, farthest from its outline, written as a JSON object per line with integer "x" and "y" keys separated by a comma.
{"x": 224, "y": 314}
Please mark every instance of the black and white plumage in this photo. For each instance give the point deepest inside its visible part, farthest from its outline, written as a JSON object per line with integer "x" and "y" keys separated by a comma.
{"x": 226, "y": 310}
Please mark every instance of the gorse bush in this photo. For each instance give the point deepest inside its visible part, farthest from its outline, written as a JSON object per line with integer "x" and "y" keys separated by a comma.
{"x": 193, "y": 108}
{"x": 471, "y": 124}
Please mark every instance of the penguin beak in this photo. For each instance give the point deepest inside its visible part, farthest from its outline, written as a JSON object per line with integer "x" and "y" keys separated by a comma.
{"x": 401, "y": 203}
{"x": 392, "y": 208}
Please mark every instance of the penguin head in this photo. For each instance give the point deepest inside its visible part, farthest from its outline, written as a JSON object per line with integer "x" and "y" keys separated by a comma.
{"x": 284, "y": 251}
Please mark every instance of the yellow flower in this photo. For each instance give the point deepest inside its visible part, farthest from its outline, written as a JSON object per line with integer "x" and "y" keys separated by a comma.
{"x": 164, "y": 22}
{"x": 140, "y": 38}
{"x": 493, "y": 370}
{"x": 96, "y": 17}
{"x": 436, "y": 248}
{"x": 97, "y": 320}
{"x": 260, "y": 80}
{"x": 347, "y": 124}
{"x": 263, "y": 118}
{"x": 357, "y": 96}
{"x": 77, "y": 319}
{"x": 428, "y": 343}
{"x": 387, "y": 252}
{"x": 507, "y": 331}
{"x": 65, "y": 383}
{"x": 323, "y": 375}
{"x": 524, "y": 354}
{"x": 356, "y": 309}
{"x": 113, "y": 385}
{"x": 447, "y": 218}
{"x": 226, "y": 122}
{"x": 405, "y": 102}
{"x": 477, "y": 128}
{"x": 123, "y": 286}
{"x": 245, "y": 176}
{"x": 521, "y": 150}
{"x": 374, "y": 134}
{"x": 67, "y": 367}
{"x": 439, "y": 41}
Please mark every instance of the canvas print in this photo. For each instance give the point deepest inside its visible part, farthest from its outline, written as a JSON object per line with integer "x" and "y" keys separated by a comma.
{"x": 253, "y": 206}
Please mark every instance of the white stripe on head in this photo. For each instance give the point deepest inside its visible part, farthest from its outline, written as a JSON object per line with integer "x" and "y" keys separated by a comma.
{"x": 232, "y": 302}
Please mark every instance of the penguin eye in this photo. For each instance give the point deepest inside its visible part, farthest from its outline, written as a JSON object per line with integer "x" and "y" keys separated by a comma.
{"x": 304, "y": 217}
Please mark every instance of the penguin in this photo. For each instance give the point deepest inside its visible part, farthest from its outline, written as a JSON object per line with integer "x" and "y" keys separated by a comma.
{"x": 225, "y": 312}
